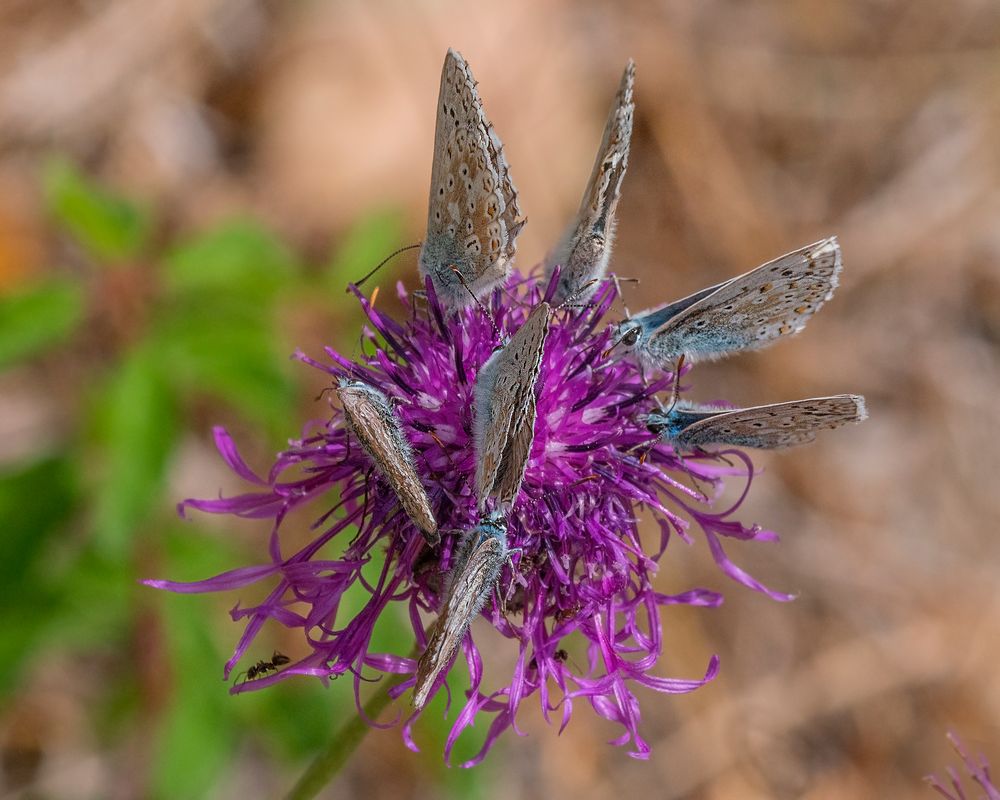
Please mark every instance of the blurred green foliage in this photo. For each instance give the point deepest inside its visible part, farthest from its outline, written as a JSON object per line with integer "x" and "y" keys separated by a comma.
{"x": 89, "y": 514}
{"x": 111, "y": 228}
{"x": 37, "y": 318}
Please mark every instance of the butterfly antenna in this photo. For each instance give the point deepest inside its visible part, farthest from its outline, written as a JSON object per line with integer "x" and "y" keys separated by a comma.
{"x": 384, "y": 261}
{"x": 476, "y": 300}
{"x": 567, "y": 303}
{"x": 621, "y": 295}
{"x": 322, "y": 394}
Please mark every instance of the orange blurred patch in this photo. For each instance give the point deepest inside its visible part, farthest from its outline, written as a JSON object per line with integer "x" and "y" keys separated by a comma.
{"x": 21, "y": 250}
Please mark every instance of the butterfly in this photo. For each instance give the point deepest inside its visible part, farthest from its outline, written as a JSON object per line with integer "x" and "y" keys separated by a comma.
{"x": 769, "y": 427}
{"x": 373, "y": 420}
{"x": 505, "y": 410}
{"x": 473, "y": 215}
{"x": 585, "y": 249}
{"x": 747, "y": 312}
{"x": 477, "y": 570}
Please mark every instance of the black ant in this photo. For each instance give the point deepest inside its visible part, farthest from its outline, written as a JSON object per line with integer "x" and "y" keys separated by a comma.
{"x": 559, "y": 656}
{"x": 262, "y": 667}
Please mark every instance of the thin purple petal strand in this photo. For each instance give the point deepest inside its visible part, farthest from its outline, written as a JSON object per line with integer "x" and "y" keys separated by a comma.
{"x": 233, "y": 579}
{"x": 977, "y": 767}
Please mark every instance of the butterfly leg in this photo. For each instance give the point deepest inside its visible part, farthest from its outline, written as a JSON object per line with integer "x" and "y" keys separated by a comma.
{"x": 645, "y": 447}
{"x": 647, "y": 450}
{"x": 500, "y": 600}
{"x": 510, "y": 554}
{"x": 444, "y": 449}
{"x": 512, "y": 298}
{"x": 694, "y": 477}
{"x": 675, "y": 392}
{"x": 364, "y": 501}
{"x": 502, "y": 596}
{"x": 618, "y": 290}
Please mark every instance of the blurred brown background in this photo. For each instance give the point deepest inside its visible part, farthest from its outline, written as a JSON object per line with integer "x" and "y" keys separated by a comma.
{"x": 760, "y": 127}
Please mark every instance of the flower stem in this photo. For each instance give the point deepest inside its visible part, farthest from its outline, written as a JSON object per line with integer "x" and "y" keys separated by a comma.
{"x": 330, "y": 760}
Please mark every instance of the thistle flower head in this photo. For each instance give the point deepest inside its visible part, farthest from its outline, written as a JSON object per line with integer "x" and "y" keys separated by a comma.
{"x": 577, "y": 601}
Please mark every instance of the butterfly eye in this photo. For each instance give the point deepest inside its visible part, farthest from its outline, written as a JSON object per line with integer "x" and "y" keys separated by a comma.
{"x": 630, "y": 338}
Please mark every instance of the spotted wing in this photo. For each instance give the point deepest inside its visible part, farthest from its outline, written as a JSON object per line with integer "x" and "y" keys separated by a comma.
{"x": 752, "y": 310}
{"x": 775, "y": 426}
{"x": 585, "y": 249}
{"x": 505, "y": 410}
{"x": 372, "y": 419}
{"x": 467, "y": 593}
{"x": 473, "y": 215}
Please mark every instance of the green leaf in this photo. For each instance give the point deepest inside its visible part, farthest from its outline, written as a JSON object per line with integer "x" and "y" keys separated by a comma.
{"x": 297, "y": 715}
{"x": 93, "y": 601}
{"x": 137, "y": 434}
{"x": 364, "y": 246}
{"x": 229, "y": 349}
{"x": 110, "y": 227}
{"x": 36, "y": 501}
{"x": 37, "y": 318}
{"x": 240, "y": 256}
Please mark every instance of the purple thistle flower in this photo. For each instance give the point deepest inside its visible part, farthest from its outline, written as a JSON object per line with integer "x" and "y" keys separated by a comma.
{"x": 582, "y": 575}
{"x": 977, "y": 767}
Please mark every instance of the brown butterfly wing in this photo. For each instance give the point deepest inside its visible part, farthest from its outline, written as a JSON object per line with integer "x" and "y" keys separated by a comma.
{"x": 473, "y": 215}
{"x": 467, "y": 593}
{"x": 585, "y": 249}
{"x": 372, "y": 419}
{"x": 775, "y": 426}
{"x": 504, "y": 438}
{"x": 753, "y": 310}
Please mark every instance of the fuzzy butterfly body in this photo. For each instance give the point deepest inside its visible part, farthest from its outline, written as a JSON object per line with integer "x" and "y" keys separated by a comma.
{"x": 769, "y": 427}
{"x": 473, "y": 217}
{"x": 505, "y": 410}
{"x": 372, "y": 419}
{"x": 585, "y": 250}
{"x": 748, "y": 312}
{"x": 477, "y": 569}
